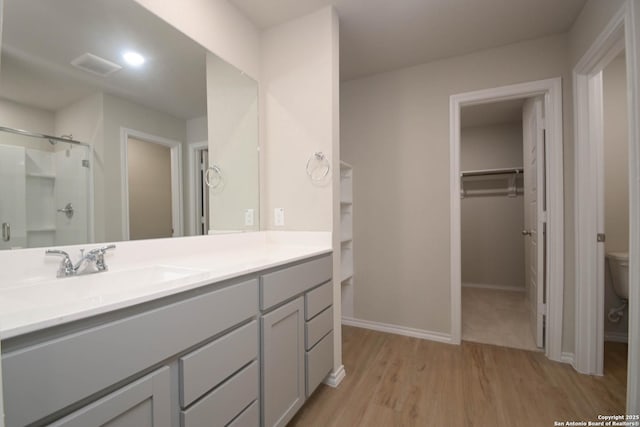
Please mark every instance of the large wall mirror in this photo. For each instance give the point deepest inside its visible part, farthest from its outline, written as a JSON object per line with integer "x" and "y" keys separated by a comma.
{"x": 116, "y": 126}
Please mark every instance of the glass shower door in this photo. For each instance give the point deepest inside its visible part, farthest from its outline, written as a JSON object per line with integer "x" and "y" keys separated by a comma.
{"x": 44, "y": 192}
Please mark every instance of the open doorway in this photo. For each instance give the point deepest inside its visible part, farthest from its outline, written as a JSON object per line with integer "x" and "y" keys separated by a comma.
{"x": 540, "y": 146}
{"x": 198, "y": 189}
{"x": 502, "y": 223}
{"x": 620, "y": 35}
{"x": 603, "y": 153}
{"x": 151, "y": 186}
{"x": 615, "y": 215}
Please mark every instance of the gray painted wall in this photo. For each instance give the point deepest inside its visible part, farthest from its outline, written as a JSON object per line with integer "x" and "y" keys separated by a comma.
{"x": 492, "y": 243}
{"x": 395, "y": 133}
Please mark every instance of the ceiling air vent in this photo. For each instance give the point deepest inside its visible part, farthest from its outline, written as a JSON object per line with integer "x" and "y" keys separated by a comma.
{"x": 95, "y": 65}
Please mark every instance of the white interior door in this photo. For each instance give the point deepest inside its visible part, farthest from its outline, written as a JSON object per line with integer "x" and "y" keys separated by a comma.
{"x": 534, "y": 232}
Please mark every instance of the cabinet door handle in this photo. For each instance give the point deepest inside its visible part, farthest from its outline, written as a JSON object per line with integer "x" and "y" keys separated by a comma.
{"x": 6, "y": 231}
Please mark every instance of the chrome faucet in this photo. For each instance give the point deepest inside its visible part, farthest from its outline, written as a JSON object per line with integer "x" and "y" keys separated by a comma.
{"x": 94, "y": 256}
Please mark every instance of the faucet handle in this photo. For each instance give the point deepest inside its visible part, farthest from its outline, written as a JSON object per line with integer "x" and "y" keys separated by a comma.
{"x": 66, "y": 266}
{"x": 102, "y": 250}
{"x": 99, "y": 253}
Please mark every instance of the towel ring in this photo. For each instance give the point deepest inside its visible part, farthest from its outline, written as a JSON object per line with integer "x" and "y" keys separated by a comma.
{"x": 318, "y": 166}
{"x": 213, "y": 177}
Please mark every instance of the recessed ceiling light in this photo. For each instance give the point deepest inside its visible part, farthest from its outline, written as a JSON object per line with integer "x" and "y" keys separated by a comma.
{"x": 133, "y": 58}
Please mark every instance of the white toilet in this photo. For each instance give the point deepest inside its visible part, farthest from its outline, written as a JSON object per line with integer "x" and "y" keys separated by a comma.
{"x": 619, "y": 268}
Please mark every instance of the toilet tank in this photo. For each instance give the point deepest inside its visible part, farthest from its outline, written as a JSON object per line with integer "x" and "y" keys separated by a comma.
{"x": 619, "y": 269}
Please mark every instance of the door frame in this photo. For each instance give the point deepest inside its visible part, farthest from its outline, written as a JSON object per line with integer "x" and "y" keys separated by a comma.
{"x": 193, "y": 169}
{"x": 621, "y": 33}
{"x": 551, "y": 90}
{"x": 176, "y": 177}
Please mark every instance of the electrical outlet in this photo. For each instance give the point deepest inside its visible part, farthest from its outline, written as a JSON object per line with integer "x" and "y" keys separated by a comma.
{"x": 278, "y": 216}
{"x": 248, "y": 217}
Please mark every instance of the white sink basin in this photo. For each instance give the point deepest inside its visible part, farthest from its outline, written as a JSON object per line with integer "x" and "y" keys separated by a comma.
{"x": 99, "y": 287}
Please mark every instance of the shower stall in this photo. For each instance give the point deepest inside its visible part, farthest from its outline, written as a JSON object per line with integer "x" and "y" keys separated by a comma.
{"x": 45, "y": 190}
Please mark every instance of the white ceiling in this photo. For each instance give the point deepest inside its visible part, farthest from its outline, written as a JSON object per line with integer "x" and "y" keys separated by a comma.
{"x": 493, "y": 113}
{"x": 41, "y": 37}
{"x": 382, "y": 35}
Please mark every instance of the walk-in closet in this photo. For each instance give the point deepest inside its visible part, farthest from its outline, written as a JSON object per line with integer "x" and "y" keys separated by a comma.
{"x": 498, "y": 233}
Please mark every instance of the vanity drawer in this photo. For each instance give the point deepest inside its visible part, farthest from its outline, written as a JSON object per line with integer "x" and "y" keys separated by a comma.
{"x": 317, "y": 300}
{"x": 205, "y": 368}
{"x": 223, "y": 404}
{"x": 319, "y": 362}
{"x": 318, "y": 327}
{"x": 66, "y": 369}
{"x": 250, "y": 417}
{"x": 283, "y": 284}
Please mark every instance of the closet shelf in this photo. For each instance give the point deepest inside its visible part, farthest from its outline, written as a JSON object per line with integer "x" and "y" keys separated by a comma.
{"x": 481, "y": 182}
{"x": 490, "y": 172}
{"x": 346, "y": 238}
{"x": 346, "y": 276}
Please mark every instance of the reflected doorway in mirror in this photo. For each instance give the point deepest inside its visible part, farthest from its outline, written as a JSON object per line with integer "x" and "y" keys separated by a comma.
{"x": 151, "y": 186}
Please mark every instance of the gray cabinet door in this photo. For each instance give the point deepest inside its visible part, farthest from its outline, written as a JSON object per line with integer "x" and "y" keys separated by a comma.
{"x": 283, "y": 379}
{"x": 145, "y": 402}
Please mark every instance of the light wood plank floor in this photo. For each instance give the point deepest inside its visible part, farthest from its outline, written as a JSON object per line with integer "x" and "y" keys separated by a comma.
{"x": 400, "y": 381}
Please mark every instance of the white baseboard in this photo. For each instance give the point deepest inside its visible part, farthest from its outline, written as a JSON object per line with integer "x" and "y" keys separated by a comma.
{"x": 398, "y": 330}
{"x": 567, "y": 357}
{"x": 335, "y": 377}
{"x": 494, "y": 287}
{"x": 616, "y": 336}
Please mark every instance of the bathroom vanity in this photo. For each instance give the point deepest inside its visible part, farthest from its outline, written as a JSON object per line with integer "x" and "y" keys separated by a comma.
{"x": 198, "y": 342}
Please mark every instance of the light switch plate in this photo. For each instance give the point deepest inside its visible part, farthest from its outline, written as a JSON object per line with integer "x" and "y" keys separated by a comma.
{"x": 278, "y": 216}
{"x": 248, "y": 217}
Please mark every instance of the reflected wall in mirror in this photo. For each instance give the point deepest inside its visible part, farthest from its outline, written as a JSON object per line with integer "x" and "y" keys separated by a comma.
{"x": 150, "y": 130}
{"x": 232, "y": 105}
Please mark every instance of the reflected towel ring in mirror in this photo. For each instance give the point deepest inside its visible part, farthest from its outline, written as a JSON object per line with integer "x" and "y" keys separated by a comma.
{"x": 213, "y": 177}
{"x": 318, "y": 166}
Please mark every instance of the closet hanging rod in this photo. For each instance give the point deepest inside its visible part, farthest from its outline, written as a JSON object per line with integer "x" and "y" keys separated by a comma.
{"x": 484, "y": 172}
{"x": 41, "y": 135}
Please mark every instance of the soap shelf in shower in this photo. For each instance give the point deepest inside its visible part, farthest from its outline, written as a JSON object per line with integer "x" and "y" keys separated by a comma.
{"x": 41, "y": 229}
{"x": 41, "y": 175}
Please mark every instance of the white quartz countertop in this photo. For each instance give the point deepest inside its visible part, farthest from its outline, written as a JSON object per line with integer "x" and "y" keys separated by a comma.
{"x": 40, "y": 300}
